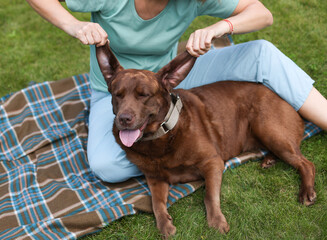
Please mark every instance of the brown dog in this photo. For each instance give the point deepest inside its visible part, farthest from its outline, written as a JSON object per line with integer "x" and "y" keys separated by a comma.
{"x": 171, "y": 143}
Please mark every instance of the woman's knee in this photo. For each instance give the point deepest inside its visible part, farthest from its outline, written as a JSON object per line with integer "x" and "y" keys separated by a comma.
{"x": 265, "y": 47}
{"x": 113, "y": 169}
{"x": 264, "y": 43}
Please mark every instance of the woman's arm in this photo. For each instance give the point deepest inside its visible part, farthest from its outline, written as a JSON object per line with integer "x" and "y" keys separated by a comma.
{"x": 248, "y": 16}
{"x": 87, "y": 32}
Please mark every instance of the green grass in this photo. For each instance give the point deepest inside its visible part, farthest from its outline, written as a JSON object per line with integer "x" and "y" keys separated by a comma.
{"x": 258, "y": 204}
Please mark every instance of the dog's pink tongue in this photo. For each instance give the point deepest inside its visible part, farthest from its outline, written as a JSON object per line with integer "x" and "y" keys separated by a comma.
{"x": 128, "y": 137}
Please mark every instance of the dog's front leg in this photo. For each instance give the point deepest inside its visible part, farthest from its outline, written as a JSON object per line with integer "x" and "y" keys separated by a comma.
{"x": 159, "y": 192}
{"x": 212, "y": 171}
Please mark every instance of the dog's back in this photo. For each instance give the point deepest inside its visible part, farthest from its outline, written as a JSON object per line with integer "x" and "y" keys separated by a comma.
{"x": 241, "y": 116}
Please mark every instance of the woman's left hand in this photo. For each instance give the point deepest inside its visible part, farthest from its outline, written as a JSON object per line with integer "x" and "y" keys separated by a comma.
{"x": 248, "y": 16}
{"x": 200, "y": 41}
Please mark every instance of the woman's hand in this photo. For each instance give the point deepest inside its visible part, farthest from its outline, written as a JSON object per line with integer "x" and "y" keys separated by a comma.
{"x": 88, "y": 33}
{"x": 200, "y": 41}
{"x": 248, "y": 16}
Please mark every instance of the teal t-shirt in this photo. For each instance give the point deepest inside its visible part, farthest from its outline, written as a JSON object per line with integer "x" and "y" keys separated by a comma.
{"x": 144, "y": 44}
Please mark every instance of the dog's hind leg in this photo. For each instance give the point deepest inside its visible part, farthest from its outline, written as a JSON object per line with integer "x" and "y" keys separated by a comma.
{"x": 307, "y": 194}
{"x": 287, "y": 149}
{"x": 281, "y": 134}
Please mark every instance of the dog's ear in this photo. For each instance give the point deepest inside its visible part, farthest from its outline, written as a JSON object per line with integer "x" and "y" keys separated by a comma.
{"x": 108, "y": 63}
{"x": 176, "y": 70}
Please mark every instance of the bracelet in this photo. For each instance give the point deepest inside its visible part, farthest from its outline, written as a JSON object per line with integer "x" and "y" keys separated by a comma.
{"x": 231, "y": 27}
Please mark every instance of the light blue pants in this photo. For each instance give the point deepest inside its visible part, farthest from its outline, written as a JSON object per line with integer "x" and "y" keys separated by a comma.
{"x": 257, "y": 61}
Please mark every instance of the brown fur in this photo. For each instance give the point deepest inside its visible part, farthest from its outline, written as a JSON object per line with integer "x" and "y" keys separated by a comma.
{"x": 217, "y": 122}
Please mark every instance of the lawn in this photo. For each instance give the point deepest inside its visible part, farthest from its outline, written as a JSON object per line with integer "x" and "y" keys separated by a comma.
{"x": 258, "y": 204}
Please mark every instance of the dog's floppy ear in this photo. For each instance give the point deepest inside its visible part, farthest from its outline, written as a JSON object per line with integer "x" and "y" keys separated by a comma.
{"x": 108, "y": 63}
{"x": 176, "y": 70}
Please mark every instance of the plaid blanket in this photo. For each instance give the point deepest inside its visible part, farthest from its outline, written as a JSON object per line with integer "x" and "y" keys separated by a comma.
{"x": 47, "y": 190}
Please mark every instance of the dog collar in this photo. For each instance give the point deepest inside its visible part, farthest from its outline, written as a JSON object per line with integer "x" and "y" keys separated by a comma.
{"x": 170, "y": 120}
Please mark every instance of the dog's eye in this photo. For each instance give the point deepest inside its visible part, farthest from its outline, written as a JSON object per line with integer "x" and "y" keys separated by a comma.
{"x": 143, "y": 95}
{"x": 118, "y": 95}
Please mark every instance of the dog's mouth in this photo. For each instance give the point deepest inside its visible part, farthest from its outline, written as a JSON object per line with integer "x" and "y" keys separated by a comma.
{"x": 128, "y": 137}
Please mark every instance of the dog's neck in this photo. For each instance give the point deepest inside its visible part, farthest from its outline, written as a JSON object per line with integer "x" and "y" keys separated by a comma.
{"x": 170, "y": 120}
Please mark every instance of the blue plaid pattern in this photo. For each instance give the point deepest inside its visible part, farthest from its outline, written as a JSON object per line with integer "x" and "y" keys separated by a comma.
{"x": 47, "y": 190}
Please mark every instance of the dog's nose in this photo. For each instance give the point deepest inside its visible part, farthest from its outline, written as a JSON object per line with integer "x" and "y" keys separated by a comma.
{"x": 126, "y": 119}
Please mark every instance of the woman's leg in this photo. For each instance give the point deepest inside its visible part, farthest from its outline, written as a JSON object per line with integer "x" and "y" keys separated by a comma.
{"x": 314, "y": 109}
{"x": 107, "y": 160}
{"x": 261, "y": 62}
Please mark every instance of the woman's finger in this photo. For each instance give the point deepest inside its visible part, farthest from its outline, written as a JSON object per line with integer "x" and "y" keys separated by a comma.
{"x": 198, "y": 35}
{"x": 89, "y": 36}
{"x": 189, "y": 46}
{"x": 96, "y": 36}
{"x": 208, "y": 39}
{"x": 103, "y": 36}
{"x": 81, "y": 37}
{"x": 90, "y": 33}
{"x": 202, "y": 41}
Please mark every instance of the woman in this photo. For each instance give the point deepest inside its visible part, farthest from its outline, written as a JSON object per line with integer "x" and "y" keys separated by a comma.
{"x": 144, "y": 34}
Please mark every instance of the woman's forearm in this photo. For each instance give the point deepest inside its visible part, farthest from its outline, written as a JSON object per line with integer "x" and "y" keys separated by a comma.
{"x": 87, "y": 32}
{"x": 55, "y": 13}
{"x": 250, "y": 16}
{"x": 246, "y": 18}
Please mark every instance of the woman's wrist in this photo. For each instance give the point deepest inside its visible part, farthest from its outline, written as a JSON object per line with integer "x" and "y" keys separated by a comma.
{"x": 55, "y": 13}
{"x": 220, "y": 28}
{"x": 231, "y": 26}
{"x": 250, "y": 16}
{"x": 71, "y": 26}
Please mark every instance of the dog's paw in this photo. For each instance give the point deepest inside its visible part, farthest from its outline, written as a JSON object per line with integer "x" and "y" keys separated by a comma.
{"x": 166, "y": 227}
{"x": 268, "y": 161}
{"x": 307, "y": 196}
{"x": 168, "y": 231}
{"x": 219, "y": 223}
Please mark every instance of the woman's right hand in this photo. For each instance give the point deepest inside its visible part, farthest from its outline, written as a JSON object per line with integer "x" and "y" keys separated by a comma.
{"x": 88, "y": 33}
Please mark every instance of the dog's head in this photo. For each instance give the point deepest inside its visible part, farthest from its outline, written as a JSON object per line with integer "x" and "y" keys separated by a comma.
{"x": 140, "y": 98}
